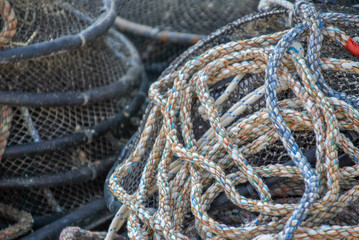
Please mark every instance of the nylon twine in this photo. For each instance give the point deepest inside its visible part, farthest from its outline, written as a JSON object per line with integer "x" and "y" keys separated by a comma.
{"x": 188, "y": 174}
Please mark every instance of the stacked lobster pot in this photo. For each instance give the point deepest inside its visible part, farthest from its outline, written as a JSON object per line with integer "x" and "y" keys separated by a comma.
{"x": 162, "y": 29}
{"x": 66, "y": 80}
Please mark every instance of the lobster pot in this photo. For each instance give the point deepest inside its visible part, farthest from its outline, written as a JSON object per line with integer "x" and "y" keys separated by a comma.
{"x": 162, "y": 30}
{"x": 225, "y": 126}
{"x": 39, "y": 28}
{"x": 70, "y": 97}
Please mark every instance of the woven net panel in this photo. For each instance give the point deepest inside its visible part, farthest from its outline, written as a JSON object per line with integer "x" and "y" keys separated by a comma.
{"x": 55, "y": 200}
{"x": 44, "y": 201}
{"x": 263, "y": 130}
{"x": 199, "y": 18}
{"x": 51, "y": 123}
{"x": 108, "y": 66}
{"x": 58, "y": 161}
{"x": 65, "y": 198}
{"x": 41, "y": 21}
{"x": 95, "y": 65}
{"x": 189, "y": 16}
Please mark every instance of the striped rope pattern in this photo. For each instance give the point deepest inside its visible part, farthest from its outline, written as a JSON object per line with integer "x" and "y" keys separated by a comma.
{"x": 5, "y": 124}
{"x": 181, "y": 169}
{"x": 9, "y": 23}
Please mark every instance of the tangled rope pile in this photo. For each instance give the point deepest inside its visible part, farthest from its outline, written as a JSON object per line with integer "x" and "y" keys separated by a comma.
{"x": 189, "y": 174}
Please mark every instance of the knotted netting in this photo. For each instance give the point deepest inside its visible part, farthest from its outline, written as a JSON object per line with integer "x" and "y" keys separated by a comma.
{"x": 253, "y": 138}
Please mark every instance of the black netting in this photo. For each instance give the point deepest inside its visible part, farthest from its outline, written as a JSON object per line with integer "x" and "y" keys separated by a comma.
{"x": 46, "y": 20}
{"x": 188, "y": 16}
{"x": 58, "y": 161}
{"x": 50, "y": 201}
{"x": 95, "y": 65}
{"x": 51, "y": 123}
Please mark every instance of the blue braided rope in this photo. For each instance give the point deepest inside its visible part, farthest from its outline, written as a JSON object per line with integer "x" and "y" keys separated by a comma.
{"x": 308, "y": 12}
{"x": 314, "y": 22}
{"x": 309, "y": 176}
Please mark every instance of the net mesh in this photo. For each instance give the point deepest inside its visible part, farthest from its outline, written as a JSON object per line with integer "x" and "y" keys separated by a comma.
{"x": 95, "y": 65}
{"x": 101, "y": 63}
{"x": 194, "y": 17}
{"x": 51, "y": 123}
{"x": 229, "y": 113}
{"x": 54, "y": 200}
{"x": 189, "y": 16}
{"x": 58, "y": 161}
{"x": 41, "y": 21}
{"x": 109, "y": 59}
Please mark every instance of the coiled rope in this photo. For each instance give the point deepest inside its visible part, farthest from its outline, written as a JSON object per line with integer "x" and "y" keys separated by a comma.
{"x": 184, "y": 186}
{"x": 23, "y": 223}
